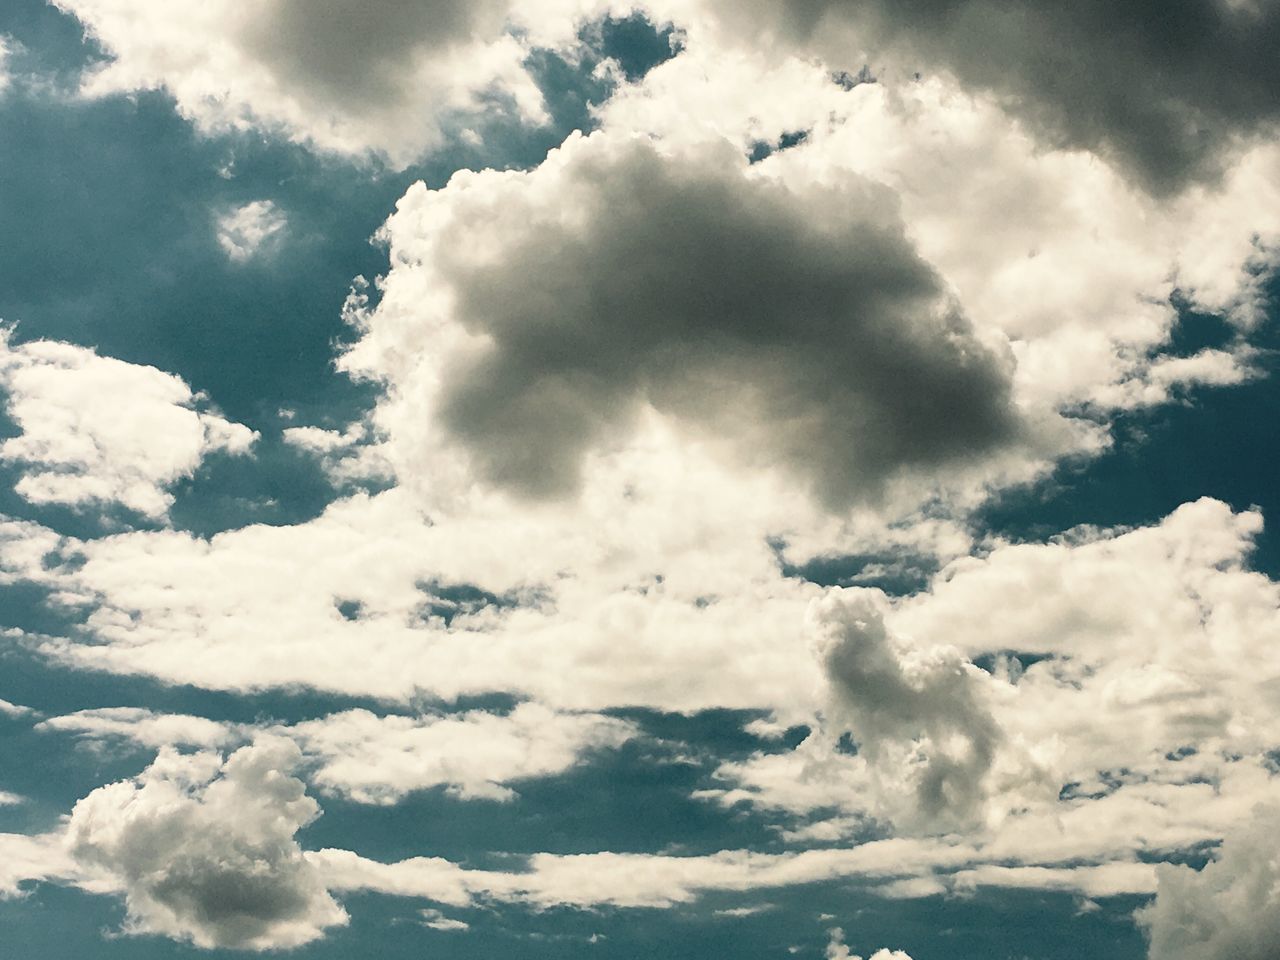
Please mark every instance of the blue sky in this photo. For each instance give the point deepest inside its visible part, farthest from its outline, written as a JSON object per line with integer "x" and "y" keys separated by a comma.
{"x": 572, "y": 479}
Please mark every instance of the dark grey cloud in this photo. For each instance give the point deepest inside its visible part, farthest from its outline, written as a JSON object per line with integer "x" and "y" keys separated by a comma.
{"x": 1163, "y": 86}
{"x": 801, "y": 327}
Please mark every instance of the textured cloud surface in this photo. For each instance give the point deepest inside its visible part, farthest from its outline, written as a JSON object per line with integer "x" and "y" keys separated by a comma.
{"x": 1166, "y": 89}
{"x": 75, "y": 448}
{"x": 799, "y": 326}
{"x": 351, "y": 77}
{"x": 204, "y": 849}
{"x": 773, "y": 507}
{"x": 1231, "y": 908}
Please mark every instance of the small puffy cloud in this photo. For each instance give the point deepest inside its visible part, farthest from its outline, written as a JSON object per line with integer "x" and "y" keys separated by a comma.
{"x": 376, "y": 759}
{"x": 204, "y": 850}
{"x": 438, "y": 921}
{"x": 250, "y": 230}
{"x": 14, "y": 710}
{"x": 99, "y": 430}
{"x": 350, "y": 455}
{"x": 8, "y": 799}
{"x": 1229, "y": 910}
{"x": 792, "y": 324}
{"x": 142, "y": 727}
{"x": 837, "y": 949}
{"x": 384, "y": 77}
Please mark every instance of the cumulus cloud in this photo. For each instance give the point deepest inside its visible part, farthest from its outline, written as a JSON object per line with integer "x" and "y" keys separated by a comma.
{"x": 204, "y": 850}
{"x": 798, "y": 326}
{"x": 248, "y": 231}
{"x": 376, "y": 759}
{"x": 77, "y": 449}
{"x": 384, "y": 77}
{"x": 837, "y": 949}
{"x": 918, "y": 715}
{"x": 1167, "y": 92}
{"x": 1095, "y": 731}
{"x": 1229, "y": 910}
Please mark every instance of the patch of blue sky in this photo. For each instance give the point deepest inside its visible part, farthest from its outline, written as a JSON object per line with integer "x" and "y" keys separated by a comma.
{"x": 1221, "y": 442}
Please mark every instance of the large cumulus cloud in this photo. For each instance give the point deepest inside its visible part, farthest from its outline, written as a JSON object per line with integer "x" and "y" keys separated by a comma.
{"x": 205, "y": 851}
{"x": 798, "y": 327}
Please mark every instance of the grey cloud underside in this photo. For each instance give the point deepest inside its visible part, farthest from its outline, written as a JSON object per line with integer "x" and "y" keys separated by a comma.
{"x": 208, "y": 854}
{"x": 352, "y": 54}
{"x": 1163, "y": 86}
{"x": 802, "y": 328}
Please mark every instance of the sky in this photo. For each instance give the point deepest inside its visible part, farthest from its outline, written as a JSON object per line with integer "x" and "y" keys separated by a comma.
{"x": 673, "y": 478}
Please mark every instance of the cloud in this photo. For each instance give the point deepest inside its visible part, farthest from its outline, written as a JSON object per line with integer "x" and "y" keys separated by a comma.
{"x": 8, "y": 799}
{"x": 1095, "y": 731}
{"x": 386, "y": 77}
{"x": 918, "y": 715}
{"x": 77, "y": 449}
{"x": 204, "y": 849}
{"x": 633, "y": 880}
{"x": 6, "y": 52}
{"x": 32, "y": 858}
{"x": 251, "y": 230}
{"x": 142, "y": 727}
{"x": 13, "y": 710}
{"x": 375, "y": 759}
{"x": 837, "y": 949}
{"x": 1229, "y": 910}
{"x": 438, "y": 921}
{"x": 793, "y": 324}
{"x": 1168, "y": 93}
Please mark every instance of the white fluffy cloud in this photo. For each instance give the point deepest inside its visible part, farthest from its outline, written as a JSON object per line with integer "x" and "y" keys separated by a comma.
{"x": 837, "y": 949}
{"x": 250, "y": 230}
{"x": 99, "y": 430}
{"x": 919, "y": 715}
{"x": 355, "y": 77}
{"x": 1167, "y": 93}
{"x": 29, "y": 858}
{"x": 1230, "y": 910}
{"x": 203, "y": 849}
{"x": 1099, "y": 729}
{"x": 142, "y": 727}
{"x": 376, "y": 759}
{"x": 372, "y": 758}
